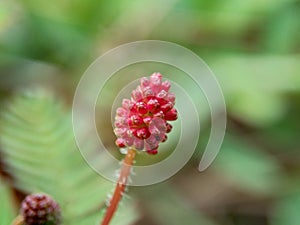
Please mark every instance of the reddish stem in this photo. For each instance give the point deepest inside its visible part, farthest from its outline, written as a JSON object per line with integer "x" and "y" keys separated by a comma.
{"x": 120, "y": 187}
{"x": 19, "y": 220}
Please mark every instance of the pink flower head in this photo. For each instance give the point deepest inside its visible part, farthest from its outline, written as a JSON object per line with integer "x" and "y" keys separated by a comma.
{"x": 142, "y": 121}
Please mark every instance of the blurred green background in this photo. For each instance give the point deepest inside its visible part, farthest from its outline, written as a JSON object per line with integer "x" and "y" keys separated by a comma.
{"x": 252, "y": 46}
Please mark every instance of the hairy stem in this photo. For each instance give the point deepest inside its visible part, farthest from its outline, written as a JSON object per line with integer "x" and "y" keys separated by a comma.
{"x": 19, "y": 220}
{"x": 120, "y": 187}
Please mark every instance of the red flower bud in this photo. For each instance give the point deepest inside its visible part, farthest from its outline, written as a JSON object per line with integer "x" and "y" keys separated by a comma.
{"x": 142, "y": 121}
{"x": 171, "y": 115}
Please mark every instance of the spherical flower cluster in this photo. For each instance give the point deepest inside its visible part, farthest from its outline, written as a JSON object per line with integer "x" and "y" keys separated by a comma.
{"x": 40, "y": 209}
{"x": 142, "y": 121}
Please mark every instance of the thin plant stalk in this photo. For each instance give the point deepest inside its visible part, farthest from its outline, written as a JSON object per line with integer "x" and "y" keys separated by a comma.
{"x": 120, "y": 187}
{"x": 19, "y": 220}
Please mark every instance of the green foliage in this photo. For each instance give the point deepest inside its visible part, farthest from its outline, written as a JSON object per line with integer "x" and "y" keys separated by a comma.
{"x": 7, "y": 213}
{"x": 286, "y": 211}
{"x": 40, "y": 153}
{"x": 254, "y": 85}
{"x": 159, "y": 205}
{"x": 285, "y": 22}
{"x": 248, "y": 168}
